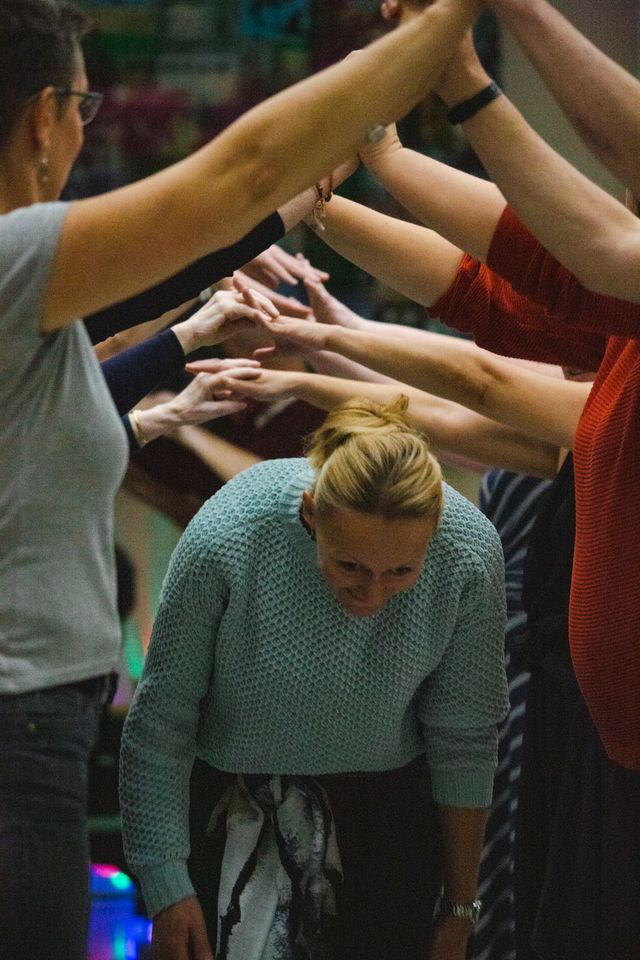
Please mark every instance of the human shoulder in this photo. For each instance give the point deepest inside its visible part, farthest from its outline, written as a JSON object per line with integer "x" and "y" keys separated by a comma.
{"x": 250, "y": 498}
{"x": 27, "y": 228}
{"x": 28, "y": 242}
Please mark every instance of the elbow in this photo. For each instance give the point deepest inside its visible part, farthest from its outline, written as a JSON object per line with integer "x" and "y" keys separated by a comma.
{"x": 262, "y": 164}
{"x": 479, "y": 384}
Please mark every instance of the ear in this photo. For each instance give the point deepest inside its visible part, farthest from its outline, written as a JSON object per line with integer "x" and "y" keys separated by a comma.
{"x": 390, "y": 9}
{"x": 42, "y": 117}
{"x": 309, "y": 509}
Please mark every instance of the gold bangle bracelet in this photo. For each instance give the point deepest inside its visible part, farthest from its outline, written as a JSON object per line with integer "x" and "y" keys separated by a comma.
{"x": 140, "y": 435}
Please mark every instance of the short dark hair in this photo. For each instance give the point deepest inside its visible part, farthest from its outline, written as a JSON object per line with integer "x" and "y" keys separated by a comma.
{"x": 38, "y": 41}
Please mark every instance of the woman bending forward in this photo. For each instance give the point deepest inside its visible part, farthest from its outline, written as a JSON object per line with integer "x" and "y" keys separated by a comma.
{"x": 329, "y": 652}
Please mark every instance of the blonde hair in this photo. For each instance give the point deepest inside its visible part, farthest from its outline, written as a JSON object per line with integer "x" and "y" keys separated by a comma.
{"x": 369, "y": 457}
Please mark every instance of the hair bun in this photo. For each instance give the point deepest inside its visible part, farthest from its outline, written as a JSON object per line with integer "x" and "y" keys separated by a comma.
{"x": 356, "y": 417}
{"x": 370, "y": 457}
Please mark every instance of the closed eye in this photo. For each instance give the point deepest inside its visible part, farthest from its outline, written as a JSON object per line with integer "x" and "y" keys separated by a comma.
{"x": 349, "y": 566}
{"x": 402, "y": 571}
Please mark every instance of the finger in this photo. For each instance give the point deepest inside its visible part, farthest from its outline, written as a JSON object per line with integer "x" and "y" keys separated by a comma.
{"x": 285, "y": 276}
{"x": 243, "y": 312}
{"x": 263, "y": 353}
{"x": 266, "y": 304}
{"x": 243, "y": 373}
{"x": 263, "y": 274}
{"x": 257, "y": 300}
{"x": 239, "y": 362}
{"x": 311, "y": 272}
{"x": 250, "y": 389}
{"x": 203, "y": 366}
{"x": 290, "y": 305}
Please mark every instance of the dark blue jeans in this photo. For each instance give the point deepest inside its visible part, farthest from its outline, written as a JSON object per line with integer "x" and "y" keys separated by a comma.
{"x": 46, "y": 738}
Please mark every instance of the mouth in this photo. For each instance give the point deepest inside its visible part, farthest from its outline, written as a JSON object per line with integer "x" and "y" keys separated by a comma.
{"x": 360, "y": 608}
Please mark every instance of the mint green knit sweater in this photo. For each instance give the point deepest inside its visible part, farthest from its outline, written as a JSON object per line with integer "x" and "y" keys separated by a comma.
{"x": 256, "y": 668}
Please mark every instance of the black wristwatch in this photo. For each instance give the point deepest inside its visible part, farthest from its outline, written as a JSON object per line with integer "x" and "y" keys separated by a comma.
{"x": 463, "y": 911}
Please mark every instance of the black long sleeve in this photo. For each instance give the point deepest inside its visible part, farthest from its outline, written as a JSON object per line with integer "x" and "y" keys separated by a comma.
{"x": 135, "y": 372}
{"x": 186, "y": 284}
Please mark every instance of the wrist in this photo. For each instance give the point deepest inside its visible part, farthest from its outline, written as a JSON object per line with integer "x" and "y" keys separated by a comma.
{"x": 186, "y": 337}
{"x": 463, "y": 86}
{"x": 300, "y": 208}
{"x": 152, "y": 423}
{"x": 376, "y": 160}
{"x": 333, "y": 338}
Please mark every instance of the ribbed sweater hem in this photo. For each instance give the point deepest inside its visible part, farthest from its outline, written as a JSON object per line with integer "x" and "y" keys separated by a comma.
{"x": 465, "y": 788}
{"x": 164, "y": 884}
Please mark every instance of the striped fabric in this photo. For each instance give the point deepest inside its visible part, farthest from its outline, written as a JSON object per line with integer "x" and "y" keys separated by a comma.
{"x": 510, "y": 501}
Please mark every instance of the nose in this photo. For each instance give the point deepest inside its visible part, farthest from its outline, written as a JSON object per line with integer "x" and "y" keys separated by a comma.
{"x": 372, "y": 592}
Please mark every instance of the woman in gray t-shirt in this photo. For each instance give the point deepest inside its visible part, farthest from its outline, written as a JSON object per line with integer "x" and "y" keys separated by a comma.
{"x": 63, "y": 449}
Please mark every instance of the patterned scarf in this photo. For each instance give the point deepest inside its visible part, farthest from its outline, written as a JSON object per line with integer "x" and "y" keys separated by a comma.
{"x": 279, "y": 871}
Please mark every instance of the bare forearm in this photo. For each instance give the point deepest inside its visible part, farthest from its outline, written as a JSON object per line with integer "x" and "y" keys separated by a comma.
{"x": 454, "y": 430}
{"x": 460, "y": 207}
{"x": 608, "y": 119}
{"x": 223, "y": 458}
{"x": 462, "y": 841}
{"x": 335, "y": 365}
{"x": 588, "y": 231}
{"x": 411, "y": 259}
{"x": 456, "y": 370}
{"x": 454, "y": 374}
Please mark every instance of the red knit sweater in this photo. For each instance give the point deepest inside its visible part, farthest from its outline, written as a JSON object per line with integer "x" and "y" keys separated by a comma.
{"x": 526, "y": 304}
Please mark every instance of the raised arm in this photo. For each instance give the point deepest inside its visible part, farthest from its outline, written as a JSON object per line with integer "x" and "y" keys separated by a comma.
{"x": 608, "y": 119}
{"x": 409, "y": 258}
{"x": 114, "y": 246}
{"x": 589, "y": 232}
{"x": 463, "y": 208}
{"x": 453, "y": 429}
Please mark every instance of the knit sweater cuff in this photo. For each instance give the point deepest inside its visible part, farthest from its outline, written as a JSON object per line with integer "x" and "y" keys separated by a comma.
{"x": 465, "y": 788}
{"x": 165, "y": 884}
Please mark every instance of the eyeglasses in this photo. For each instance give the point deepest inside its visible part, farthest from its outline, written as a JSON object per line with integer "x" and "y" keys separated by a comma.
{"x": 87, "y": 108}
{"x": 89, "y": 102}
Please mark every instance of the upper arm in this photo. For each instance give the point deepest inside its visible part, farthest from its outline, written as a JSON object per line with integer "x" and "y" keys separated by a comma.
{"x": 470, "y": 677}
{"x": 182, "y": 649}
{"x": 410, "y": 258}
{"x": 116, "y": 245}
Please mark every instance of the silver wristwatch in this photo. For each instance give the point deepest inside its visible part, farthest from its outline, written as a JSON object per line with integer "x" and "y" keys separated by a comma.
{"x": 463, "y": 911}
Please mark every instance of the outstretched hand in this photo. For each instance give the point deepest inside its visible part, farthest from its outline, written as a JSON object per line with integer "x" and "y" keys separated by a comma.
{"x": 328, "y": 309}
{"x": 276, "y": 266}
{"x": 204, "y": 398}
{"x": 289, "y": 305}
{"x": 269, "y": 385}
{"x": 286, "y": 331}
{"x": 225, "y": 314}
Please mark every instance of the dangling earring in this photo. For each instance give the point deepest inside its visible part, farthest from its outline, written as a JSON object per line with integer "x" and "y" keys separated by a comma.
{"x": 43, "y": 170}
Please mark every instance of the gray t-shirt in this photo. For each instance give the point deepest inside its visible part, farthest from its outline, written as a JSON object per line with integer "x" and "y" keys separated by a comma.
{"x": 63, "y": 452}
